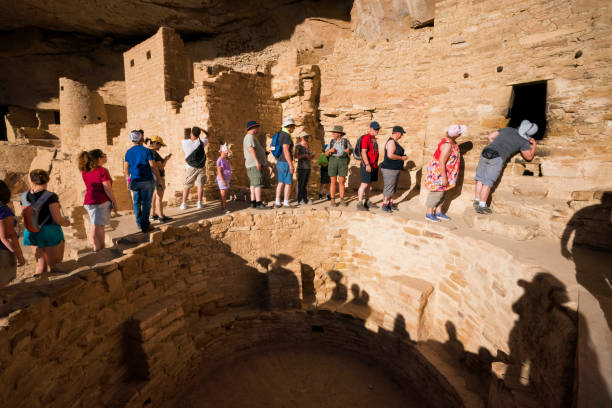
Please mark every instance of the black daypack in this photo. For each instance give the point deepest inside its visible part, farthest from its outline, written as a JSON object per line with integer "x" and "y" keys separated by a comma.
{"x": 197, "y": 158}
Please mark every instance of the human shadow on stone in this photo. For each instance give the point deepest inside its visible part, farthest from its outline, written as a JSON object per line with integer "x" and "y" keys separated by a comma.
{"x": 309, "y": 295}
{"x": 591, "y": 250}
{"x": 284, "y": 288}
{"x": 339, "y": 293}
{"x": 358, "y": 305}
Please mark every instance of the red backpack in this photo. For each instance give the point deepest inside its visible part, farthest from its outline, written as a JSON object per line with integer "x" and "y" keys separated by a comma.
{"x": 31, "y": 211}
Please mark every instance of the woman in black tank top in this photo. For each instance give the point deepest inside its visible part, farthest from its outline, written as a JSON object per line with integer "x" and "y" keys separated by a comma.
{"x": 391, "y": 166}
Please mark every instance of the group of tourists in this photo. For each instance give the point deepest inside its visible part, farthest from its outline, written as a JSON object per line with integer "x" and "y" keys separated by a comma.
{"x": 144, "y": 171}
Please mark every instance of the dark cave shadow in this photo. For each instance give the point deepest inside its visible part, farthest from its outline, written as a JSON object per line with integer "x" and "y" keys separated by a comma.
{"x": 591, "y": 250}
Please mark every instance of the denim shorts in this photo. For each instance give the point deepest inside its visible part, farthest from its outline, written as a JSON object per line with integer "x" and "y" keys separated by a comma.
{"x": 488, "y": 170}
{"x": 99, "y": 214}
{"x": 284, "y": 175}
{"x": 48, "y": 236}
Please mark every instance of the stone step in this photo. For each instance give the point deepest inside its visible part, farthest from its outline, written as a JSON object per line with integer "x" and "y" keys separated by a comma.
{"x": 551, "y": 214}
{"x": 519, "y": 229}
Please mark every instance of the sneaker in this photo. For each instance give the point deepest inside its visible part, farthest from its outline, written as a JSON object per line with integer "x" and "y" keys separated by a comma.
{"x": 387, "y": 208}
{"x": 261, "y": 206}
{"x": 328, "y": 197}
{"x": 394, "y": 207}
{"x": 475, "y": 204}
{"x": 253, "y": 204}
{"x": 370, "y": 204}
{"x": 183, "y": 206}
{"x": 361, "y": 207}
{"x": 343, "y": 202}
{"x": 443, "y": 217}
{"x": 320, "y": 196}
{"x": 277, "y": 204}
{"x": 301, "y": 202}
{"x": 226, "y": 211}
{"x": 431, "y": 217}
{"x": 484, "y": 210}
{"x": 286, "y": 205}
{"x": 199, "y": 205}
{"x": 165, "y": 219}
{"x": 154, "y": 218}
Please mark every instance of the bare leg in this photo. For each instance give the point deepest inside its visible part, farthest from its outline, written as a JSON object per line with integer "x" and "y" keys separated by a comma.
{"x": 159, "y": 205}
{"x": 185, "y": 194}
{"x": 332, "y": 187}
{"x": 361, "y": 192}
{"x": 257, "y": 194}
{"x": 477, "y": 190}
{"x": 54, "y": 255}
{"x": 341, "y": 186}
{"x": 41, "y": 264}
{"x": 254, "y": 194}
{"x": 484, "y": 193}
{"x": 200, "y": 193}
{"x": 287, "y": 191}
{"x": 224, "y": 199}
{"x": 279, "y": 190}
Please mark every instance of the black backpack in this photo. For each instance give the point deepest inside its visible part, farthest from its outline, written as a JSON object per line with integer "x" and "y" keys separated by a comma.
{"x": 197, "y": 158}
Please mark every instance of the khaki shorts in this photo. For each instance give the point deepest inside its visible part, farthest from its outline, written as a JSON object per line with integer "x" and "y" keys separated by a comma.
{"x": 255, "y": 177}
{"x": 195, "y": 176}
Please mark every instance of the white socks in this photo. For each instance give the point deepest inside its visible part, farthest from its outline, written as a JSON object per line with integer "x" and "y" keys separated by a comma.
{"x": 482, "y": 203}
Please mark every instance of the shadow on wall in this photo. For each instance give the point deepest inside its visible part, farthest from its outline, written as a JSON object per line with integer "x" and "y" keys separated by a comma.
{"x": 592, "y": 243}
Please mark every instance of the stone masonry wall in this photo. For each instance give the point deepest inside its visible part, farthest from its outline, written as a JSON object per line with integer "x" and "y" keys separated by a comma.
{"x": 190, "y": 283}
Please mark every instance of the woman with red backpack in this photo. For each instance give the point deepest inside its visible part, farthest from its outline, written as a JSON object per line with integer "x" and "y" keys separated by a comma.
{"x": 43, "y": 220}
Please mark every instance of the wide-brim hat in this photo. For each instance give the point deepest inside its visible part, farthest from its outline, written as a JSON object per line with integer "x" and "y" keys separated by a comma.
{"x": 157, "y": 139}
{"x": 288, "y": 122}
{"x": 304, "y": 134}
{"x": 338, "y": 129}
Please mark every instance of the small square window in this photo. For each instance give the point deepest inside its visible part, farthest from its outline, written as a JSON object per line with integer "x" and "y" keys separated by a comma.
{"x": 131, "y": 63}
{"x": 148, "y": 54}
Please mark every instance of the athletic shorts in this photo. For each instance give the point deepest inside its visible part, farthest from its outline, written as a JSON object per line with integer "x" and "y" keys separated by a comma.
{"x": 99, "y": 214}
{"x": 368, "y": 177}
{"x": 390, "y": 178}
{"x": 283, "y": 173}
{"x": 488, "y": 170}
{"x": 48, "y": 236}
{"x": 221, "y": 186}
{"x": 324, "y": 175}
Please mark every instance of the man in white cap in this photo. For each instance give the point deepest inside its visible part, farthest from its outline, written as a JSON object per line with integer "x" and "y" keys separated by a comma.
{"x": 284, "y": 162}
{"x": 503, "y": 144}
{"x": 195, "y": 159}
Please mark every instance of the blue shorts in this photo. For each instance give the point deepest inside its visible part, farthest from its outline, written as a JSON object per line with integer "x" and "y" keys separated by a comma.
{"x": 48, "y": 236}
{"x": 284, "y": 175}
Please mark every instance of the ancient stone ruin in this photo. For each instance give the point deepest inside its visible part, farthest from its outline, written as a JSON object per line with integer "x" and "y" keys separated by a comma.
{"x": 314, "y": 306}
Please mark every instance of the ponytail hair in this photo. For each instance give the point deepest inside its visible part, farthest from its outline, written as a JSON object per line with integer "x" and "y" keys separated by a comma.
{"x": 89, "y": 160}
{"x": 147, "y": 141}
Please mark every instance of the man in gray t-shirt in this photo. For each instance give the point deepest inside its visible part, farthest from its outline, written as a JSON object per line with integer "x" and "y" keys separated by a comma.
{"x": 254, "y": 160}
{"x": 503, "y": 144}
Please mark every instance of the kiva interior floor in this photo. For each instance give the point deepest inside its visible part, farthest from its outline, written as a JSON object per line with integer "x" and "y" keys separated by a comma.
{"x": 299, "y": 378}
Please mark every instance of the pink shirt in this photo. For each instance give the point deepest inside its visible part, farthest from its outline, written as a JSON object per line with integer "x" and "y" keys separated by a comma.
{"x": 93, "y": 182}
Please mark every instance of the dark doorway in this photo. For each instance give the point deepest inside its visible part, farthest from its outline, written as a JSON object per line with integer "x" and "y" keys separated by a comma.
{"x": 3, "y": 112}
{"x": 529, "y": 102}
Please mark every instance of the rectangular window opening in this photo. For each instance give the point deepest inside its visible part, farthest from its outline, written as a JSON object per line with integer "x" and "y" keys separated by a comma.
{"x": 317, "y": 329}
{"x": 131, "y": 63}
{"x": 148, "y": 54}
{"x": 56, "y": 117}
{"x": 529, "y": 102}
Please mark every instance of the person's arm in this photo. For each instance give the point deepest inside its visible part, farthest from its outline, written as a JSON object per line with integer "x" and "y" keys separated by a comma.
{"x": 390, "y": 147}
{"x": 287, "y": 153}
{"x": 364, "y": 157}
{"x": 220, "y": 176}
{"x": 156, "y": 172}
{"x": 126, "y": 173}
{"x": 492, "y": 136}
{"x": 108, "y": 189}
{"x": 9, "y": 238}
{"x": 445, "y": 151}
{"x": 56, "y": 214}
{"x": 528, "y": 154}
{"x": 254, "y": 156}
{"x": 330, "y": 151}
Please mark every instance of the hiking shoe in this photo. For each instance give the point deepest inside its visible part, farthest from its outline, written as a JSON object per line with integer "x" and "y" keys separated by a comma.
{"x": 484, "y": 210}
{"x": 183, "y": 206}
{"x": 328, "y": 197}
{"x": 394, "y": 207}
{"x": 387, "y": 208}
{"x": 226, "y": 211}
{"x": 320, "y": 196}
{"x": 253, "y": 204}
{"x": 475, "y": 204}
{"x": 261, "y": 206}
{"x": 361, "y": 207}
{"x": 431, "y": 217}
{"x": 443, "y": 217}
{"x": 286, "y": 205}
{"x": 370, "y": 204}
{"x": 154, "y": 218}
{"x": 165, "y": 219}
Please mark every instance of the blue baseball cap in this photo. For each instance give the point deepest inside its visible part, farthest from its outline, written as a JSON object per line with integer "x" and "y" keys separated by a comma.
{"x": 251, "y": 124}
{"x": 374, "y": 125}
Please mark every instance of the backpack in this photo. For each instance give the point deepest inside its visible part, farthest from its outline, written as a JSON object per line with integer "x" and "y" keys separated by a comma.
{"x": 275, "y": 146}
{"x": 357, "y": 151}
{"x": 31, "y": 211}
{"x": 197, "y": 158}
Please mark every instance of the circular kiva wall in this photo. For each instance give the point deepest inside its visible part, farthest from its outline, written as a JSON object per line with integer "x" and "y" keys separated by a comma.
{"x": 431, "y": 309}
